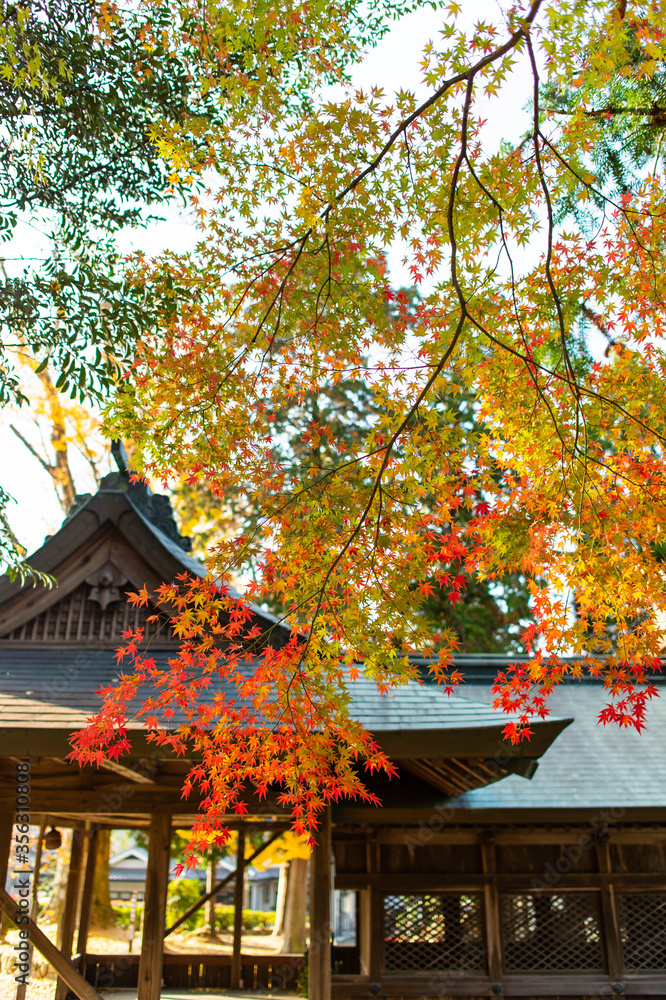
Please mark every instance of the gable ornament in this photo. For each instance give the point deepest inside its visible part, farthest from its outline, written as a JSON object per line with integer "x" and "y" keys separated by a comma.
{"x": 105, "y": 585}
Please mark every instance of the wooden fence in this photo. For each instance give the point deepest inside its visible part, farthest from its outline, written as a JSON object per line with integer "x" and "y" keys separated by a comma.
{"x": 196, "y": 971}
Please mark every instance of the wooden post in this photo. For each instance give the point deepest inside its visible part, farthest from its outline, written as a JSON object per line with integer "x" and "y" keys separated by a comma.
{"x": 6, "y": 835}
{"x": 492, "y": 913}
{"x": 74, "y": 980}
{"x": 238, "y": 912}
{"x": 610, "y": 922}
{"x": 70, "y": 911}
{"x": 364, "y": 931}
{"x": 157, "y": 879}
{"x": 319, "y": 955}
{"x": 376, "y": 935}
{"x": 374, "y": 912}
{"x": 34, "y": 901}
{"x": 87, "y": 891}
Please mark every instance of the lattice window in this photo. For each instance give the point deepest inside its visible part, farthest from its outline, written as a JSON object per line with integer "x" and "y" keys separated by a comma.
{"x": 545, "y": 932}
{"x": 642, "y": 918}
{"x": 75, "y": 618}
{"x": 433, "y": 932}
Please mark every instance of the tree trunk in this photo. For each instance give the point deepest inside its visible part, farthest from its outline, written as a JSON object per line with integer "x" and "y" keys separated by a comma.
{"x": 102, "y": 912}
{"x": 278, "y": 926}
{"x": 293, "y": 941}
{"x": 210, "y": 905}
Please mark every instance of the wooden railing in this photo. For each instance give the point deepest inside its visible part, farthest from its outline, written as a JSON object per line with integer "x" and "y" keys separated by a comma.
{"x": 196, "y": 971}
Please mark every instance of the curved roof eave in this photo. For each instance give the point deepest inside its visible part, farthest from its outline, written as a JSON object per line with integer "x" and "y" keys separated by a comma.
{"x": 164, "y": 555}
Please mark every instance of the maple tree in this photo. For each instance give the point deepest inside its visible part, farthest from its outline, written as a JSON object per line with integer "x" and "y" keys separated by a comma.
{"x": 559, "y": 475}
{"x": 490, "y": 613}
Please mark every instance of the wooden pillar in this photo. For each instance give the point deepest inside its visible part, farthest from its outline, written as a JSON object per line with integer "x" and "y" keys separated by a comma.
{"x": 371, "y": 917}
{"x": 68, "y": 922}
{"x": 87, "y": 890}
{"x": 6, "y": 835}
{"x": 376, "y": 935}
{"x": 238, "y": 912}
{"x": 70, "y": 911}
{"x": 492, "y": 913}
{"x": 364, "y": 932}
{"x": 609, "y": 918}
{"x": 34, "y": 899}
{"x": 319, "y": 955}
{"x": 157, "y": 879}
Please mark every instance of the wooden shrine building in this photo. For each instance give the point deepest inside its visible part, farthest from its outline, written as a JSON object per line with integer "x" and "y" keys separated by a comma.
{"x": 469, "y": 881}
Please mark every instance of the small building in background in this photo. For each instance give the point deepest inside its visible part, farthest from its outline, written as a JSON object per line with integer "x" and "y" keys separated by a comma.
{"x": 127, "y": 875}
{"x": 262, "y": 888}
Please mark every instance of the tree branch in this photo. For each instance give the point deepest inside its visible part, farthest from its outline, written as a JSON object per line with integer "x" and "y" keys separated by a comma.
{"x": 33, "y": 451}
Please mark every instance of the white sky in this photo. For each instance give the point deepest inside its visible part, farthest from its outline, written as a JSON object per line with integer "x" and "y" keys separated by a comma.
{"x": 393, "y": 65}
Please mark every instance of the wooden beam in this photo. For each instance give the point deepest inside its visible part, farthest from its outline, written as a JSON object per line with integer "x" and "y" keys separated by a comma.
{"x": 507, "y": 882}
{"x": 399, "y": 835}
{"x": 349, "y": 813}
{"x": 128, "y": 772}
{"x": 66, "y": 972}
{"x": 113, "y": 821}
{"x": 157, "y": 879}
{"x": 419, "y": 984}
{"x": 238, "y": 913}
{"x": 70, "y": 910}
{"x": 88, "y": 888}
{"x": 637, "y": 835}
{"x": 319, "y": 962}
{"x": 512, "y": 837}
{"x": 125, "y": 799}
